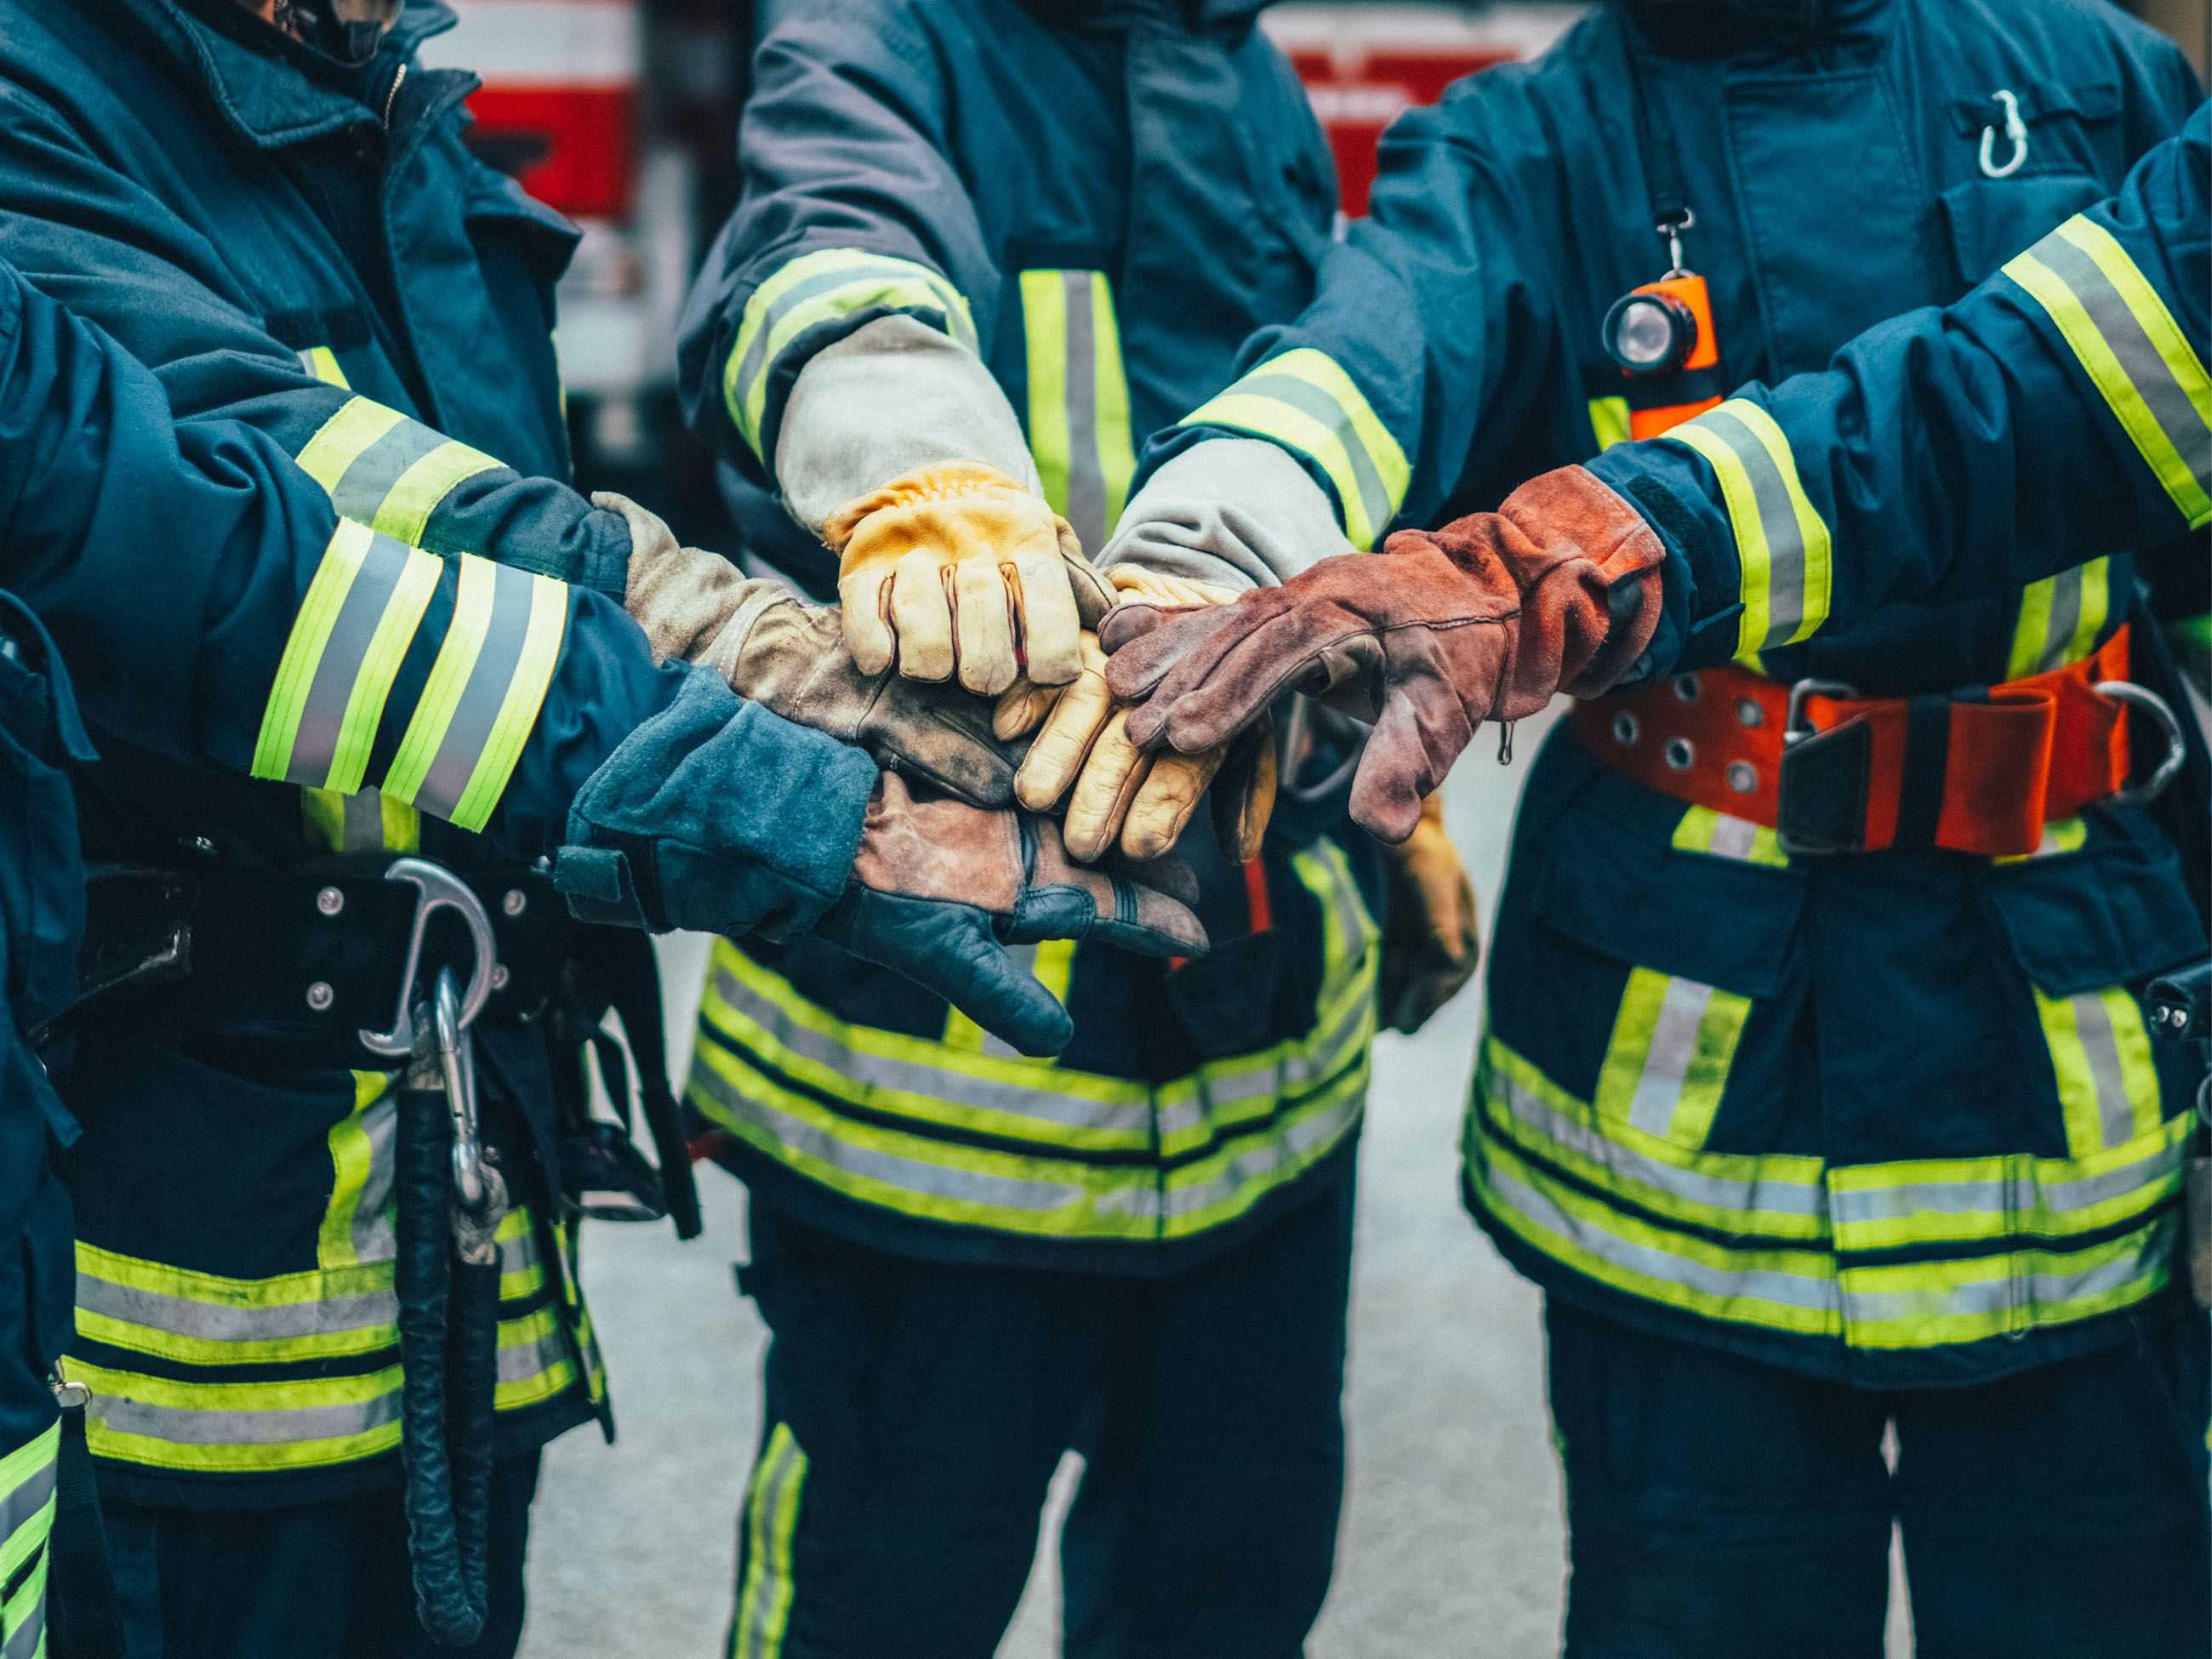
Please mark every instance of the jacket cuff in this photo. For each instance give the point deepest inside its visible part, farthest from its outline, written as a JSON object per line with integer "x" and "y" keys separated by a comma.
{"x": 1238, "y": 513}
{"x": 1672, "y": 487}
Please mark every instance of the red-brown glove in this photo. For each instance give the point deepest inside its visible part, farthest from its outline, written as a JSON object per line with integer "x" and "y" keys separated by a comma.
{"x": 1558, "y": 590}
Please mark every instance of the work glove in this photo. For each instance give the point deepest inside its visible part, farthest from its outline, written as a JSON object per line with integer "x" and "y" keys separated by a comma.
{"x": 1433, "y": 940}
{"x": 1484, "y": 619}
{"x": 940, "y": 889}
{"x": 1115, "y": 791}
{"x": 774, "y": 649}
{"x": 955, "y": 568}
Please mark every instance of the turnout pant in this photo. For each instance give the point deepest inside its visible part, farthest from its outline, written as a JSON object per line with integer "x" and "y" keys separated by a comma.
{"x": 1719, "y": 1508}
{"x": 315, "y": 1581}
{"x": 915, "y": 1412}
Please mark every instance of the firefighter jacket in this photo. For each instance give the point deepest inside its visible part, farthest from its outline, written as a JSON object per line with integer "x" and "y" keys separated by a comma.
{"x": 1101, "y": 200}
{"x": 1893, "y": 1118}
{"x": 378, "y": 580}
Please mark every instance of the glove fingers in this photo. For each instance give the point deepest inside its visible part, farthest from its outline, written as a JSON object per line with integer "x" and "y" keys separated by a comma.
{"x": 1144, "y": 643}
{"x": 863, "y": 600}
{"x": 1135, "y": 911}
{"x": 1058, "y": 757}
{"x": 1227, "y": 683}
{"x": 1023, "y": 709}
{"x": 1093, "y": 594}
{"x": 990, "y": 985}
{"x": 1164, "y": 801}
{"x": 921, "y": 617}
{"x": 1244, "y": 794}
{"x": 1107, "y": 787}
{"x": 1411, "y": 747}
{"x": 1052, "y": 627}
{"x": 1148, "y": 921}
{"x": 983, "y": 627}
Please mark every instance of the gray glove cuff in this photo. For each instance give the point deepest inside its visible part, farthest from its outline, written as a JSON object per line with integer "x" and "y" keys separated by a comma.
{"x": 1236, "y": 511}
{"x": 889, "y": 397}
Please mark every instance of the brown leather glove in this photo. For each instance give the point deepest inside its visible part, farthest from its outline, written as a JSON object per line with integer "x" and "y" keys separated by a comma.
{"x": 1484, "y": 619}
{"x": 790, "y": 657}
{"x": 1433, "y": 940}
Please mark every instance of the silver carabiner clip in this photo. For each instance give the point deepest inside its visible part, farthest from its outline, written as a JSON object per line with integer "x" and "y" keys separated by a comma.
{"x": 438, "y": 889}
{"x": 457, "y": 1059}
{"x": 2016, "y": 130}
{"x": 2177, "y": 747}
{"x": 1670, "y": 231}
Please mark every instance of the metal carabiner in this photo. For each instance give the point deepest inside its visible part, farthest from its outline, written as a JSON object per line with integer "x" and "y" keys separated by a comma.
{"x": 2015, "y": 129}
{"x": 438, "y": 889}
{"x": 457, "y": 1059}
{"x": 1671, "y": 231}
{"x": 2177, "y": 747}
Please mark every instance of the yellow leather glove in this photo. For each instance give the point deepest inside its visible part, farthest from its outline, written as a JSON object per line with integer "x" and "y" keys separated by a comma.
{"x": 1434, "y": 940}
{"x": 1115, "y": 792}
{"x": 956, "y": 569}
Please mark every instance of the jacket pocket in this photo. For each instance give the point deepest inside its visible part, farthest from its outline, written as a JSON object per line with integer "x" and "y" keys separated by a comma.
{"x": 1988, "y": 221}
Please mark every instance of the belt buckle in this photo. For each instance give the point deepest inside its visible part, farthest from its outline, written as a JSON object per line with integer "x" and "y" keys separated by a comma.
{"x": 1796, "y": 727}
{"x": 2177, "y": 747}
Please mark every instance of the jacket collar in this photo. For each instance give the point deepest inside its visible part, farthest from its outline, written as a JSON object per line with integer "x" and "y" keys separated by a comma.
{"x": 273, "y": 91}
{"x": 1722, "y": 28}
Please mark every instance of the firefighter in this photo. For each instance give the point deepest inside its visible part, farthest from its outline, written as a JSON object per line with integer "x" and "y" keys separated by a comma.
{"x": 1807, "y": 1142}
{"x": 382, "y": 638}
{"x": 981, "y": 246}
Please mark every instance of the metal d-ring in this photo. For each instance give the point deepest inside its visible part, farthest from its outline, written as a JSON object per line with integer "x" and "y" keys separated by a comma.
{"x": 437, "y": 889}
{"x": 2177, "y": 748}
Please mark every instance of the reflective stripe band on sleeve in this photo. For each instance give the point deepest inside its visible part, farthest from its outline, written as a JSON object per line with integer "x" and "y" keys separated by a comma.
{"x": 2060, "y": 618}
{"x": 483, "y": 694}
{"x": 2100, "y": 1055}
{"x": 386, "y": 470}
{"x": 771, "y": 1525}
{"x": 1609, "y": 422}
{"x": 819, "y": 288}
{"x": 363, "y": 605}
{"x": 1783, "y": 544}
{"x": 2133, "y": 351}
{"x": 322, "y": 364}
{"x": 1304, "y": 401}
{"x": 1079, "y": 399}
{"x": 1667, "y": 1061}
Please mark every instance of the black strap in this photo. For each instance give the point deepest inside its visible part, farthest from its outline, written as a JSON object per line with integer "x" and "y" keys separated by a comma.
{"x": 631, "y": 974}
{"x": 84, "y": 1618}
{"x": 1662, "y": 162}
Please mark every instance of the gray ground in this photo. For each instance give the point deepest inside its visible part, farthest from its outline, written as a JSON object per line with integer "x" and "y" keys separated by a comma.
{"x": 1452, "y": 1541}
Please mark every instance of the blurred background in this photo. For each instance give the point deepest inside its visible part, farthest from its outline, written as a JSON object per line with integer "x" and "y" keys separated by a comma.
{"x": 622, "y": 114}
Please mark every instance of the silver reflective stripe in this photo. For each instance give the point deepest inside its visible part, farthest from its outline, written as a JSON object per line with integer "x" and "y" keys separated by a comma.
{"x": 185, "y": 1426}
{"x": 1667, "y": 1062}
{"x": 31, "y": 1634}
{"x": 1733, "y": 837}
{"x": 361, "y": 489}
{"x": 1268, "y": 1155}
{"x": 1283, "y": 1076}
{"x": 345, "y": 655}
{"x": 373, "y": 1237}
{"x": 1862, "y": 1206}
{"x": 218, "y": 1321}
{"x": 2093, "y": 1024}
{"x": 1762, "y": 1284}
{"x": 912, "y": 1077}
{"x": 484, "y": 694}
{"x": 843, "y": 275}
{"x": 2065, "y": 617}
{"x": 517, "y": 1254}
{"x": 768, "y": 1580}
{"x": 911, "y": 1175}
{"x": 360, "y": 823}
{"x": 1086, "y": 469}
{"x": 19, "y": 1507}
{"x": 1778, "y": 519}
{"x": 1709, "y": 1191}
{"x": 524, "y": 1360}
{"x": 1312, "y": 401}
{"x": 2139, "y": 357}
{"x": 1982, "y": 1298}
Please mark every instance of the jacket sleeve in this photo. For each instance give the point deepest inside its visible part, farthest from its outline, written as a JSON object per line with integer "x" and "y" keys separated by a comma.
{"x": 852, "y": 212}
{"x": 2062, "y": 403}
{"x": 214, "y": 607}
{"x": 118, "y": 257}
{"x": 1423, "y": 330}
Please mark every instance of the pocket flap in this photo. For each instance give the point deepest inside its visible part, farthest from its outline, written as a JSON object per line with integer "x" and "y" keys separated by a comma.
{"x": 1991, "y": 220}
{"x": 2092, "y": 101}
{"x": 2114, "y": 914}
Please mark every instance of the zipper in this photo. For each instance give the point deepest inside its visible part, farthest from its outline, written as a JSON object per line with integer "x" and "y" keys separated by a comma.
{"x": 392, "y": 97}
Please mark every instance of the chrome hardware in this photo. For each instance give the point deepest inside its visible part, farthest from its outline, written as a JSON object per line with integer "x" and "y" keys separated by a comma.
{"x": 437, "y": 889}
{"x": 2177, "y": 750}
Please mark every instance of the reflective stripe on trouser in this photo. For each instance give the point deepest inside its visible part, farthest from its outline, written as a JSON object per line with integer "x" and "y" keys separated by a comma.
{"x": 820, "y": 288}
{"x": 769, "y": 1524}
{"x": 301, "y": 1369}
{"x": 946, "y": 1133}
{"x": 2060, "y": 619}
{"x": 1777, "y": 1241}
{"x": 28, "y": 1485}
{"x": 2133, "y": 351}
{"x": 1304, "y": 401}
{"x": 1079, "y": 400}
{"x": 1782, "y": 547}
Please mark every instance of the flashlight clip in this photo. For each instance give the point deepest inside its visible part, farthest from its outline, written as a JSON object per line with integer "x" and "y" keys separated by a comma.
{"x": 1670, "y": 230}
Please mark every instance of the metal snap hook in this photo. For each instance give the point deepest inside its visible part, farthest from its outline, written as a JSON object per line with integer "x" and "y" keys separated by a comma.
{"x": 437, "y": 889}
{"x": 2016, "y": 130}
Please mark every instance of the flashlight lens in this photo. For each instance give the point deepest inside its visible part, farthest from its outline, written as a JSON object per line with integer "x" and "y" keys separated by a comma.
{"x": 1649, "y": 333}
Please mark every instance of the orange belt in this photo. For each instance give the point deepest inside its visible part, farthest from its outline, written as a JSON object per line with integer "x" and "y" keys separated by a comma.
{"x": 1980, "y": 770}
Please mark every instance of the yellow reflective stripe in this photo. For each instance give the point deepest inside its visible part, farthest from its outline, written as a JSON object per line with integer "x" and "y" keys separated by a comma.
{"x": 207, "y": 1319}
{"x": 449, "y": 675}
{"x": 1079, "y": 399}
{"x": 405, "y": 512}
{"x": 1780, "y": 1196}
{"x": 536, "y": 1362}
{"x": 1238, "y": 1176}
{"x": 322, "y": 364}
{"x": 773, "y": 1496}
{"x": 2100, "y": 1056}
{"x": 1306, "y": 401}
{"x": 1701, "y": 829}
{"x": 1927, "y": 1304}
{"x": 2133, "y": 351}
{"x": 2059, "y": 835}
{"x": 2060, "y": 618}
{"x": 1608, "y": 422}
{"x": 1116, "y": 418}
{"x": 240, "y": 1427}
{"x": 816, "y": 289}
{"x": 1880, "y": 1207}
{"x": 27, "y": 1476}
{"x": 344, "y": 438}
{"x": 388, "y": 471}
{"x": 1784, "y": 1290}
{"x": 362, "y": 821}
{"x": 24, "y": 1618}
{"x": 1782, "y": 545}
{"x": 1045, "y": 328}
{"x": 361, "y": 1176}
{"x": 1052, "y": 964}
{"x": 1667, "y": 1063}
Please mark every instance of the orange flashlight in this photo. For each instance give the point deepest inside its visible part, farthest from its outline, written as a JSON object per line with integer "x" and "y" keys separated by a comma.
{"x": 1661, "y": 336}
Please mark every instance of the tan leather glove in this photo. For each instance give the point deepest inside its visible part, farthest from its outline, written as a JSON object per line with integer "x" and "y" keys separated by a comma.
{"x": 1114, "y": 790}
{"x": 775, "y": 650}
{"x": 954, "y": 569}
{"x": 1433, "y": 940}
